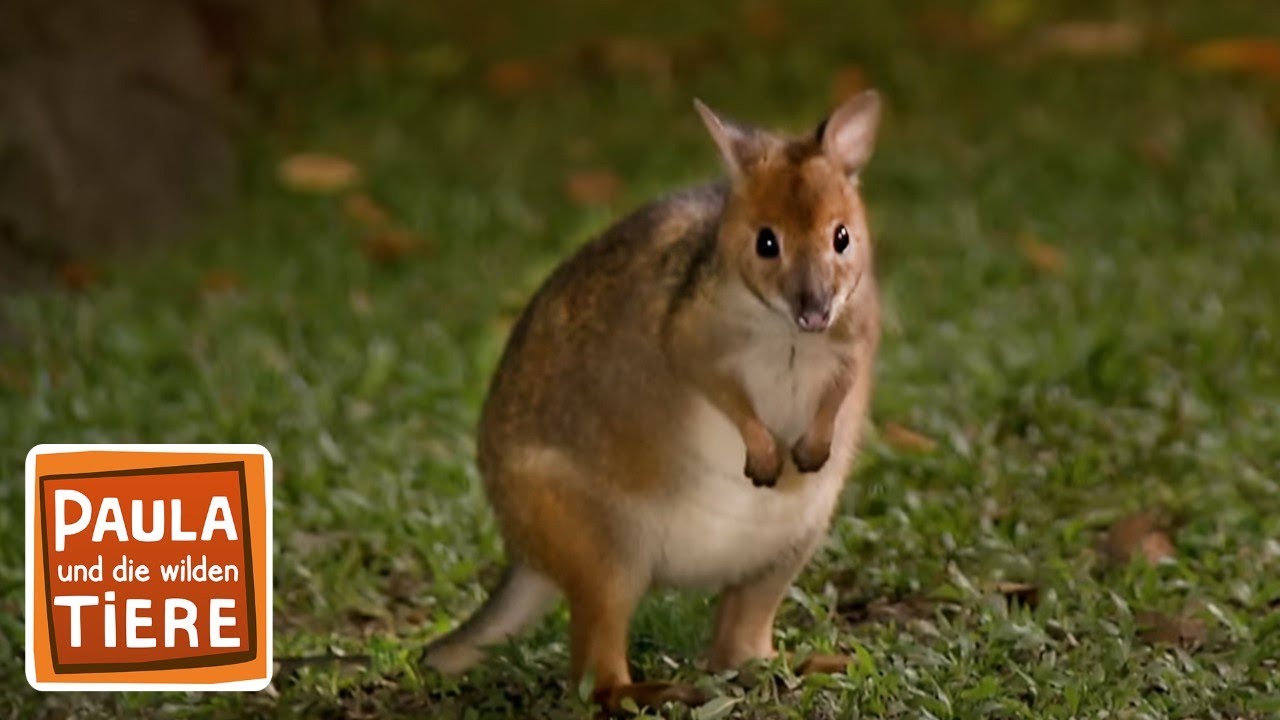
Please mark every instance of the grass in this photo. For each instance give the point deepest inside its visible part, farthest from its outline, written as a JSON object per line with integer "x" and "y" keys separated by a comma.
{"x": 1140, "y": 372}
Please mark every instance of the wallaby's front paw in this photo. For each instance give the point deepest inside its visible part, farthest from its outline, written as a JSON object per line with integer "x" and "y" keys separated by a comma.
{"x": 810, "y": 453}
{"x": 764, "y": 468}
{"x": 764, "y": 461}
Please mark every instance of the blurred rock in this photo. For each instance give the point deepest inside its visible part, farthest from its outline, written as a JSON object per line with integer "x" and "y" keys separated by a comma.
{"x": 115, "y": 118}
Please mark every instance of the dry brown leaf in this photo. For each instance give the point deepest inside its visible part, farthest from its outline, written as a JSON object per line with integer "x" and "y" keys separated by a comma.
{"x": 1140, "y": 534}
{"x": 903, "y": 438}
{"x": 77, "y": 276}
{"x": 824, "y": 664}
{"x": 1018, "y": 593}
{"x": 517, "y": 76}
{"x": 390, "y": 245}
{"x": 217, "y": 282}
{"x": 318, "y": 173}
{"x": 592, "y": 187}
{"x": 1157, "y": 546}
{"x": 1043, "y": 257}
{"x": 1158, "y": 628}
{"x": 1126, "y": 535}
{"x": 849, "y": 81}
{"x": 365, "y": 211}
{"x": 1091, "y": 39}
{"x": 764, "y": 20}
{"x": 1256, "y": 55}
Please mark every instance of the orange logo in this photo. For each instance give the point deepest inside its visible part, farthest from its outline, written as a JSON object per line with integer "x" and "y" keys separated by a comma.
{"x": 148, "y": 567}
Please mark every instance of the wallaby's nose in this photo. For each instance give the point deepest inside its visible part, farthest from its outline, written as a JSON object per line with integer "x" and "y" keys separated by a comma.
{"x": 814, "y": 313}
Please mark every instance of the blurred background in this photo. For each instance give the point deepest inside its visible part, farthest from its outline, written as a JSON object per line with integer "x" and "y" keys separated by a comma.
{"x": 310, "y": 223}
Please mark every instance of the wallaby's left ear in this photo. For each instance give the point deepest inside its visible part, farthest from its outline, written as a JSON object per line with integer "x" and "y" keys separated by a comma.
{"x": 849, "y": 135}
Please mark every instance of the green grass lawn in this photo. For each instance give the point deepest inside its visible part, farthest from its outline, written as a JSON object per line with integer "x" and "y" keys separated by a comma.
{"x": 1081, "y": 267}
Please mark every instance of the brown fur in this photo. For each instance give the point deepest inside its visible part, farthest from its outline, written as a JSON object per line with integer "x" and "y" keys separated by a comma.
{"x": 584, "y": 436}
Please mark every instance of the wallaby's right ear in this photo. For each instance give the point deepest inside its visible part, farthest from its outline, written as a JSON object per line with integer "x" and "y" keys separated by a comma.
{"x": 849, "y": 135}
{"x": 730, "y": 137}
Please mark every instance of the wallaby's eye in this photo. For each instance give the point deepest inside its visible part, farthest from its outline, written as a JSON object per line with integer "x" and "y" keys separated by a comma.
{"x": 767, "y": 243}
{"x": 842, "y": 239}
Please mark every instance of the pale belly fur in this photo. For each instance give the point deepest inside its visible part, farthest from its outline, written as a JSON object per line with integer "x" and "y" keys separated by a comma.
{"x": 716, "y": 527}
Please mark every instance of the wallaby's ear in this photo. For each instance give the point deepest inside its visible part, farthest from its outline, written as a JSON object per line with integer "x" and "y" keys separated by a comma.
{"x": 730, "y": 137}
{"x": 849, "y": 135}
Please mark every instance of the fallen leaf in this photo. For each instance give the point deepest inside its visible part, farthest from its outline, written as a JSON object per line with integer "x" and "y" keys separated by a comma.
{"x": 1157, "y": 546}
{"x": 1044, "y": 257}
{"x": 903, "y": 438}
{"x": 592, "y": 187}
{"x": 1257, "y": 55}
{"x": 77, "y": 276}
{"x": 1160, "y": 629}
{"x": 824, "y": 664}
{"x": 318, "y": 173}
{"x": 764, "y": 20}
{"x": 849, "y": 81}
{"x": 365, "y": 211}
{"x": 1084, "y": 39}
{"x": 390, "y": 245}
{"x": 1138, "y": 535}
{"x": 517, "y": 76}
{"x": 1018, "y": 593}
{"x": 218, "y": 282}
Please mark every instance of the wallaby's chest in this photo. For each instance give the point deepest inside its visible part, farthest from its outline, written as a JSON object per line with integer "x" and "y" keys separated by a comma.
{"x": 716, "y": 526}
{"x": 785, "y": 375}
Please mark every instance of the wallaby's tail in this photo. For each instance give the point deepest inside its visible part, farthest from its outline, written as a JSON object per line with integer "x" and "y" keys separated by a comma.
{"x": 522, "y": 596}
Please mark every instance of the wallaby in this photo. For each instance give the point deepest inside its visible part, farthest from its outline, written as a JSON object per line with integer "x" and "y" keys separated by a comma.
{"x": 681, "y": 401}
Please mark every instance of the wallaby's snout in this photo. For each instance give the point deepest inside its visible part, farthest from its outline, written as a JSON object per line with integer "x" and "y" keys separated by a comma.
{"x": 810, "y": 299}
{"x": 813, "y": 312}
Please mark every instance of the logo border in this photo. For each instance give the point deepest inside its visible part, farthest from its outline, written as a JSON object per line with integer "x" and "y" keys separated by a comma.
{"x": 208, "y": 660}
{"x": 32, "y": 488}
